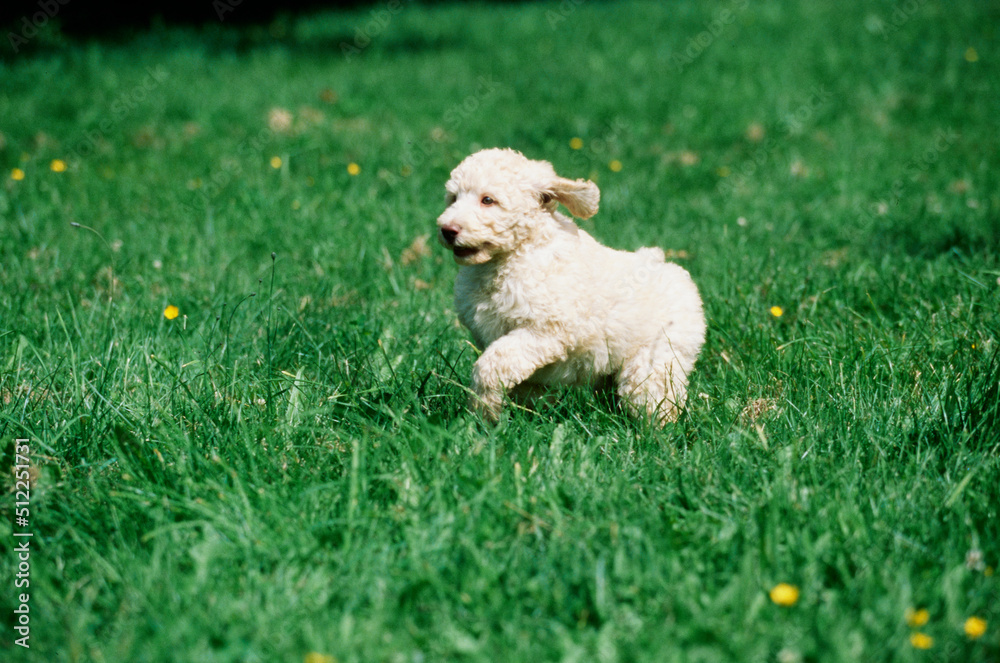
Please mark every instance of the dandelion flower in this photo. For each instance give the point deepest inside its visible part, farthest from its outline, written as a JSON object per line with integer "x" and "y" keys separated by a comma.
{"x": 171, "y": 312}
{"x": 777, "y": 311}
{"x": 353, "y": 169}
{"x": 921, "y": 640}
{"x": 785, "y": 594}
{"x": 975, "y": 627}
{"x": 17, "y": 174}
{"x": 275, "y": 162}
{"x": 576, "y": 143}
{"x": 615, "y": 166}
{"x": 916, "y": 618}
{"x": 316, "y": 657}
{"x": 58, "y": 166}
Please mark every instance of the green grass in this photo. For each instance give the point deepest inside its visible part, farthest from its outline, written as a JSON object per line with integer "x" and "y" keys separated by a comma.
{"x": 288, "y": 467}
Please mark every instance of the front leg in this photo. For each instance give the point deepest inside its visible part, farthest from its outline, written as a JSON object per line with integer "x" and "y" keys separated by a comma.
{"x": 507, "y": 362}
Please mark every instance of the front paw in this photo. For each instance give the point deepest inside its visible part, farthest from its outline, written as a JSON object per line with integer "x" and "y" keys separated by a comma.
{"x": 487, "y": 393}
{"x": 487, "y": 406}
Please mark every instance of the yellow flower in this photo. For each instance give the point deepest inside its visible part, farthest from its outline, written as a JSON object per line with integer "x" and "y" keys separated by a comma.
{"x": 917, "y": 618}
{"x": 275, "y": 162}
{"x": 975, "y": 627}
{"x": 785, "y": 594}
{"x": 171, "y": 312}
{"x": 576, "y": 143}
{"x": 777, "y": 311}
{"x": 971, "y": 55}
{"x": 17, "y": 174}
{"x": 353, "y": 169}
{"x": 921, "y": 641}
{"x": 315, "y": 657}
{"x": 615, "y": 166}
{"x": 58, "y": 166}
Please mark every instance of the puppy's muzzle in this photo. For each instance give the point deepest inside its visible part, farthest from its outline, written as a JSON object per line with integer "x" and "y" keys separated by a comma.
{"x": 449, "y": 234}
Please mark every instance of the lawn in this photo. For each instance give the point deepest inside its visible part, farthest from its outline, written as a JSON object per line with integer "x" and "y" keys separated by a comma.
{"x": 227, "y": 335}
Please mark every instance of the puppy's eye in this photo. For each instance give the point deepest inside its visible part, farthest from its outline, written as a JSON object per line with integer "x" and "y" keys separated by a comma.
{"x": 488, "y": 201}
{"x": 450, "y": 199}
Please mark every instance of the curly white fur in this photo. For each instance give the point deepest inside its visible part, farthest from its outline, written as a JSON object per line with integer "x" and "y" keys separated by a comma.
{"x": 548, "y": 304}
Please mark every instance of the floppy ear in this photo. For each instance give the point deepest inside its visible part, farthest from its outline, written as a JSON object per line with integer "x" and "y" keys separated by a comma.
{"x": 580, "y": 197}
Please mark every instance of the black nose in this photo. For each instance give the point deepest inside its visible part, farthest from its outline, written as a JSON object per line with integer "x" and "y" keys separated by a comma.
{"x": 449, "y": 233}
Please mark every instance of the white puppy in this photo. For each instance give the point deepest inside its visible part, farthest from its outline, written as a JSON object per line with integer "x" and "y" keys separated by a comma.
{"x": 547, "y": 304}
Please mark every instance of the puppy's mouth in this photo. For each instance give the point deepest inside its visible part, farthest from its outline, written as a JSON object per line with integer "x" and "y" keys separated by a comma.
{"x": 465, "y": 251}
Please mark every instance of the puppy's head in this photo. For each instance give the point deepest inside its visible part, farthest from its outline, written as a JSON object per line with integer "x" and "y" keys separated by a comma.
{"x": 498, "y": 199}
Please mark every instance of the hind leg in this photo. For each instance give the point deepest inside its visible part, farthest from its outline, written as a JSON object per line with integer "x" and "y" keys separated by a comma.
{"x": 653, "y": 385}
